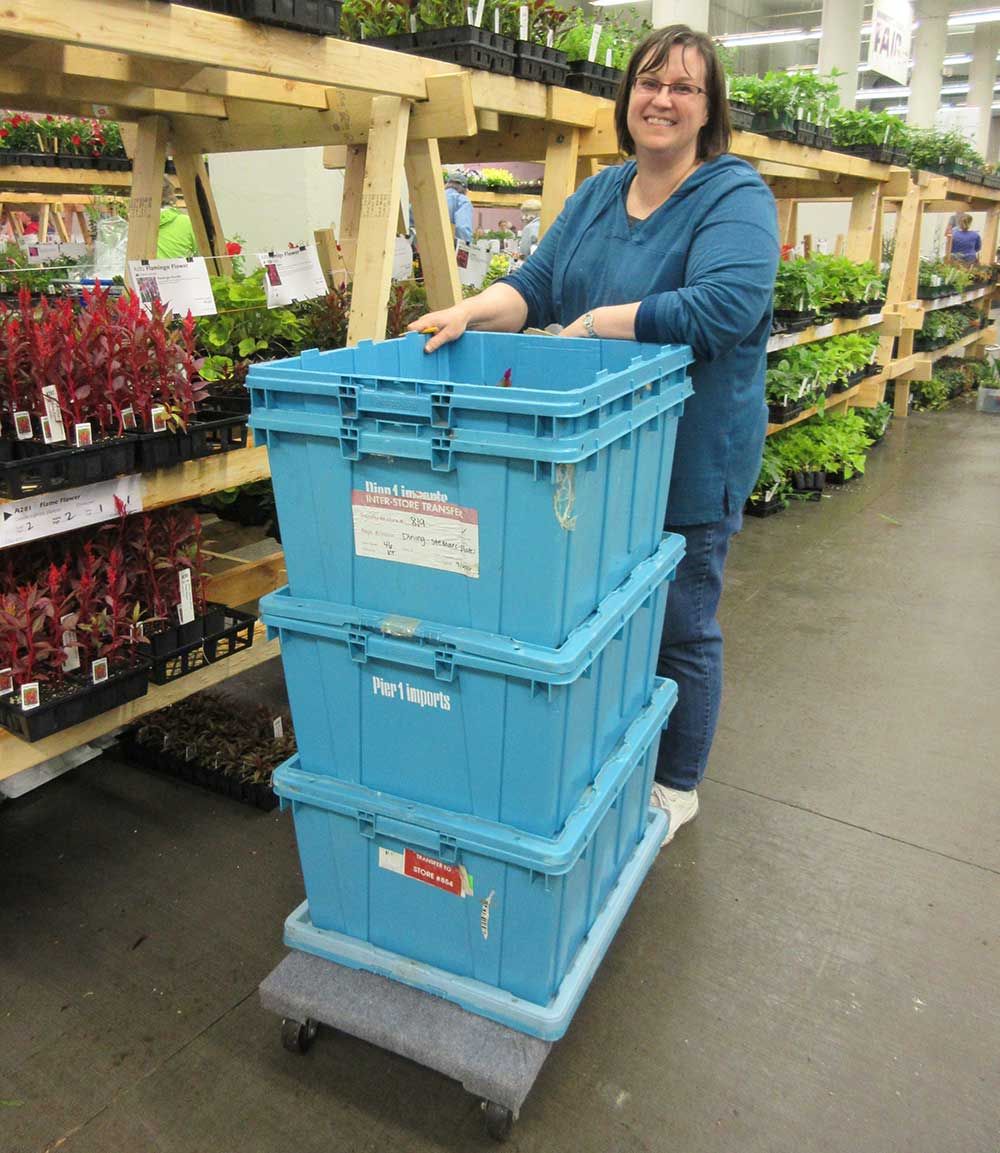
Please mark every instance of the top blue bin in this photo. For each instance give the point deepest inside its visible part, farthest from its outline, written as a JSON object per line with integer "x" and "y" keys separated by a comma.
{"x": 418, "y": 484}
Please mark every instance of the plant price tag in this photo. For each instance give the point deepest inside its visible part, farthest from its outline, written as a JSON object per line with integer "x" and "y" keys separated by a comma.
{"x": 72, "y": 660}
{"x": 158, "y": 418}
{"x": 292, "y": 275}
{"x": 522, "y": 22}
{"x": 607, "y": 58}
{"x": 178, "y": 285}
{"x": 57, "y": 431}
{"x": 84, "y": 434}
{"x": 22, "y": 425}
{"x": 185, "y": 609}
{"x": 50, "y": 513}
{"x": 31, "y": 698}
{"x": 279, "y": 729}
{"x": 6, "y": 682}
{"x": 99, "y": 670}
{"x": 595, "y": 39}
{"x": 479, "y": 13}
{"x": 549, "y": 37}
{"x": 128, "y": 418}
{"x": 496, "y": 21}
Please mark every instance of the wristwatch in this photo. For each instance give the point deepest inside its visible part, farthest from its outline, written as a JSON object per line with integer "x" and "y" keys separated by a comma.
{"x": 588, "y": 323}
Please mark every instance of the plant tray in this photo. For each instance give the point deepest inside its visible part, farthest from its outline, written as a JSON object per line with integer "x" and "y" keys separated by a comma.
{"x": 529, "y": 186}
{"x": 838, "y": 478}
{"x": 215, "y": 643}
{"x": 76, "y": 705}
{"x": 874, "y": 152}
{"x": 468, "y": 46}
{"x": 805, "y": 133}
{"x": 38, "y": 468}
{"x": 320, "y": 17}
{"x": 852, "y": 309}
{"x": 777, "y": 127}
{"x": 764, "y": 507}
{"x": 257, "y": 794}
{"x": 404, "y": 42}
{"x": 740, "y": 117}
{"x": 809, "y": 481}
{"x": 237, "y": 403}
{"x": 207, "y": 434}
{"x": 540, "y": 63}
{"x": 782, "y": 413}
{"x": 594, "y": 79}
{"x": 795, "y": 321}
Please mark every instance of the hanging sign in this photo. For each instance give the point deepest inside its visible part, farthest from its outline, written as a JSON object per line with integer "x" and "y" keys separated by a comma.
{"x": 180, "y": 285}
{"x": 889, "y": 45}
{"x": 472, "y": 264}
{"x": 292, "y": 274}
{"x": 39, "y": 252}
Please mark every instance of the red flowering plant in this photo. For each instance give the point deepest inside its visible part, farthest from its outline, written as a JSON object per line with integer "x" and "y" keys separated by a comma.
{"x": 18, "y": 133}
{"x": 25, "y": 641}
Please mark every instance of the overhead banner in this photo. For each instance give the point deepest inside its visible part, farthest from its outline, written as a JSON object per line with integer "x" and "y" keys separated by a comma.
{"x": 889, "y": 45}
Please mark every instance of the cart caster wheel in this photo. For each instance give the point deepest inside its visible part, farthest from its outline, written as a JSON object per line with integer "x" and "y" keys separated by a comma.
{"x": 298, "y": 1036}
{"x": 498, "y": 1120}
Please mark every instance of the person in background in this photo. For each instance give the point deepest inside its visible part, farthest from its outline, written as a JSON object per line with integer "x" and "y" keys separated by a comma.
{"x": 678, "y": 246}
{"x": 459, "y": 205}
{"x": 175, "y": 238}
{"x": 530, "y": 222}
{"x": 965, "y": 243}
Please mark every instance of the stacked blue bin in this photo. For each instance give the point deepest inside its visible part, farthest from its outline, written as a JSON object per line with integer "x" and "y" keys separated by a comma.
{"x": 477, "y": 581}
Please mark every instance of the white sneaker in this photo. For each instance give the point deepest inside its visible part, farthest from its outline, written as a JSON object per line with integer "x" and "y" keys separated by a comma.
{"x": 680, "y": 805}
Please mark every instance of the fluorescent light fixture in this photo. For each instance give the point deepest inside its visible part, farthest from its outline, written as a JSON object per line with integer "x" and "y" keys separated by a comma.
{"x": 778, "y": 36}
{"x": 979, "y": 16}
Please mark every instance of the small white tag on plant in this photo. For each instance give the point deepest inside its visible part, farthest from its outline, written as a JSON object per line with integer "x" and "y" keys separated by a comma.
{"x": 22, "y": 425}
{"x": 595, "y": 39}
{"x": 6, "y": 682}
{"x": 57, "y": 430}
{"x": 31, "y": 698}
{"x": 99, "y": 670}
{"x": 158, "y": 418}
{"x": 84, "y": 434}
{"x": 279, "y": 729}
{"x": 522, "y": 22}
{"x": 70, "y": 646}
{"x": 607, "y": 58}
{"x": 479, "y": 13}
{"x": 128, "y": 418}
{"x": 185, "y": 608}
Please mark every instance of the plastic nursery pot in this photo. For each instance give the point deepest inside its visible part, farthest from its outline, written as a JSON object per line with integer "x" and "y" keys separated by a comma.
{"x": 594, "y": 79}
{"x": 805, "y": 133}
{"x": 321, "y": 17}
{"x": 781, "y": 413}
{"x": 468, "y": 46}
{"x": 764, "y": 508}
{"x": 780, "y": 127}
{"x": 740, "y": 117}
{"x": 540, "y": 63}
{"x": 36, "y": 468}
{"x": 809, "y": 481}
{"x": 794, "y": 320}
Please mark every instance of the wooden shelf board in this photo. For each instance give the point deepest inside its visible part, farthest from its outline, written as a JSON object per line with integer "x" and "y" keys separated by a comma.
{"x": 752, "y": 146}
{"x": 838, "y": 400}
{"x": 821, "y": 331}
{"x": 954, "y": 299}
{"x": 501, "y": 199}
{"x": 17, "y": 755}
{"x": 21, "y": 174}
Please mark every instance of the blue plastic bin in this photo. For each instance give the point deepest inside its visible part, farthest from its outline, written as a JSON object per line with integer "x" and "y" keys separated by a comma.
{"x": 471, "y": 722}
{"x": 473, "y": 898}
{"x": 411, "y": 482}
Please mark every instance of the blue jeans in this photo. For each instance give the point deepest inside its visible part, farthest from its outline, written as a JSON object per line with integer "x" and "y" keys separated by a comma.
{"x": 691, "y": 651}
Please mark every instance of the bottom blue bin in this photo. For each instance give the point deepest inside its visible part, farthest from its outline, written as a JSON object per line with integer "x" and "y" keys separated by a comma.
{"x": 469, "y": 897}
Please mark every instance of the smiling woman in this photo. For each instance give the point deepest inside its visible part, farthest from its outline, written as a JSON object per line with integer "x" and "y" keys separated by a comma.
{"x": 678, "y": 245}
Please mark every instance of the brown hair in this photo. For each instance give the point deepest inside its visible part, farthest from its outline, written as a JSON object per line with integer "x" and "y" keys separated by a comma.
{"x": 715, "y": 136}
{"x": 965, "y": 221}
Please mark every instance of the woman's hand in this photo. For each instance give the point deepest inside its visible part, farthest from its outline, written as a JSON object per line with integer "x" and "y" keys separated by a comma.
{"x": 575, "y": 329}
{"x": 449, "y": 323}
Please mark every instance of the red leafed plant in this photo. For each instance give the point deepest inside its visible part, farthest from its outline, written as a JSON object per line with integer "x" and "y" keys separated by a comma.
{"x": 26, "y": 648}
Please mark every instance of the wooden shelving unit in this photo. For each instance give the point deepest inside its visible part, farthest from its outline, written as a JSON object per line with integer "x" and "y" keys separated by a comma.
{"x": 822, "y": 331}
{"x": 839, "y": 400}
{"x": 499, "y": 199}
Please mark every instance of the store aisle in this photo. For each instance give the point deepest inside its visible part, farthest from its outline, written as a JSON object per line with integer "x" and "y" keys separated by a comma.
{"x": 812, "y": 967}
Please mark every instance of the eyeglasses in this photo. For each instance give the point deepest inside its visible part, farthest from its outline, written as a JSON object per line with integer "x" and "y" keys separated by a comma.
{"x": 647, "y": 86}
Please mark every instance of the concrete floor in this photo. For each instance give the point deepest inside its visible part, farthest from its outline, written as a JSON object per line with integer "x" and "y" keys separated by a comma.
{"x": 812, "y": 966}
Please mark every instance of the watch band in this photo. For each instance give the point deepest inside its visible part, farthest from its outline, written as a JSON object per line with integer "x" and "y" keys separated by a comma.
{"x": 588, "y": 323}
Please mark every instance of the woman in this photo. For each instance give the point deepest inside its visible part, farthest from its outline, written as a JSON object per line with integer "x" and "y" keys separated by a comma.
{"x": 678, "y": 246}
{"x": 965, "y": 243}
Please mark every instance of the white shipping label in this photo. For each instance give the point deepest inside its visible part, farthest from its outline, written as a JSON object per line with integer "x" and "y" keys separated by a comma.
{"x": 185, "y": 610}
{"x": 414, "y": 530}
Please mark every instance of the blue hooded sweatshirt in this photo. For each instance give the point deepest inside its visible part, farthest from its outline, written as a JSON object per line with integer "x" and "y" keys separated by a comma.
{"x": 703, "y": 267}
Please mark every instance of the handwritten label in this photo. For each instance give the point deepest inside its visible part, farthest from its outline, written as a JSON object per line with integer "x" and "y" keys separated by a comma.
{"x": 54, "y": 512}
{"x": 426, "y": 533}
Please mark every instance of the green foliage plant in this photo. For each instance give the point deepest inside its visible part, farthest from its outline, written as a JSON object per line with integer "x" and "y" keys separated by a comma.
{"x": 853, "y": 127}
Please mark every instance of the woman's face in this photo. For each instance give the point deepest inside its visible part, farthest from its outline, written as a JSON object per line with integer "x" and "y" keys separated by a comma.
{"x": 665, "y": 123}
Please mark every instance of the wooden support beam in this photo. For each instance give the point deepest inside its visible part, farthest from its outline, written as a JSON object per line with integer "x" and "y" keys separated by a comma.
{"x": 487, "y": 121}
{"x": 560, "y": 173}
{"x": 586, "y": 167}
{"x": 350, "y": 210}
{"x": 788, "y": 215}
{"x": 60, "y": 222}
{"x": 335, "y": 156}
{"x": 193, "y": 36}
{"x": 865, "y": 210}
{"x": 33, "y": 90}
{"x": 435, "y": 235}
{"x": 331, "y": 259}
{"x": 147, "y": 186}
{"x": 72, "y": 60}
{"x": 43, "y": 222}
{"x": 248, "y": 581}
{"x": 377, "y": 231}
{"x": 200, "y": 203}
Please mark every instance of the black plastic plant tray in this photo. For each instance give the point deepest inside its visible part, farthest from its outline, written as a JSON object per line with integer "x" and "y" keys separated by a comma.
{"x": 207, "y": 434}
{"x": 740, "y": 117}
{"x": 469, "y": 47}
{"x": 805, "y": 133}
{"x": 764, "y": 508}
{"x": 594, "y": 79}
{"x": 404, "y": 42}
{"x": 794, "y": 321}
{"x": 808, "y": 481}
{"x": 838, "y": 478}
{"x": 39, "y": 468}
{"x": 236, "y": 634}
{"x": 874, "y": 152}
{"x": 782, "y": 413}
{"x": 80, "y": 704}
{"x": 172, "y": 764}
{"x": 852, "y": 309}
{"x": 237, "y": 403}
{"x": 171, "y": 639}
{"x": 321, "y": 17}
{"x": 540, "y": 63}
{"x": 777, "y": 127}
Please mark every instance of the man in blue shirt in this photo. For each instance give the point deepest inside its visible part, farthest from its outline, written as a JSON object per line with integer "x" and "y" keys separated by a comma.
{"x": 459, "y": 205}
